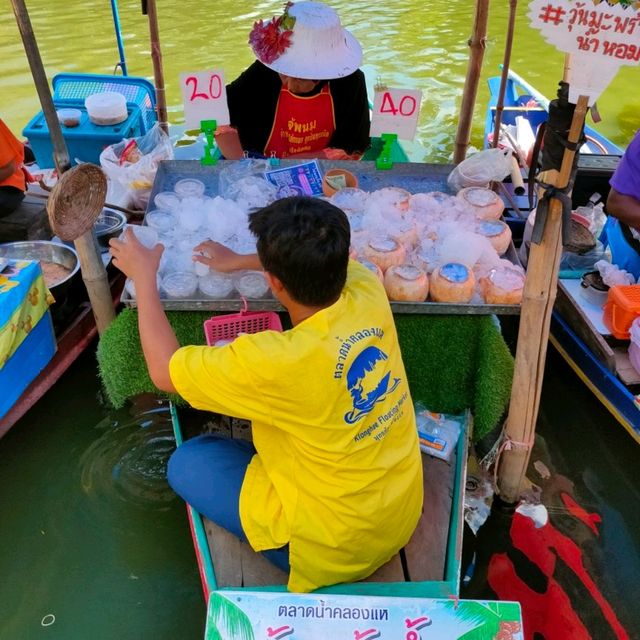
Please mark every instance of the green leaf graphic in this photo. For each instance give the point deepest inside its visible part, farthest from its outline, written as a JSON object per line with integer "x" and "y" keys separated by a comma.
{"x": 225, "y": 615}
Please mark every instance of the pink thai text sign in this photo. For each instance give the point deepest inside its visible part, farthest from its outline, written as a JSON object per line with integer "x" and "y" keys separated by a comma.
{"x": 601, "y": 37}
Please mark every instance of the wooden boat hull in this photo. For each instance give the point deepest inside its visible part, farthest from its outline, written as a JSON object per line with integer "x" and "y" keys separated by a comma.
{"x": 447, "y": 587}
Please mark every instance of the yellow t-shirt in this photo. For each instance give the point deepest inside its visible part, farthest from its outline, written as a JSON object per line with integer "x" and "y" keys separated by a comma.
{"x": 338, "y": 473}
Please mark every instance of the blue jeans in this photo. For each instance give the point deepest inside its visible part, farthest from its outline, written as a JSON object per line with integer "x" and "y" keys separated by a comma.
{"x": 207, "y": 472}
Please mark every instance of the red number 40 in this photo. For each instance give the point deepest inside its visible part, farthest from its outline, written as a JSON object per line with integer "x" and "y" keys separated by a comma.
{"x": 406, "y": 107}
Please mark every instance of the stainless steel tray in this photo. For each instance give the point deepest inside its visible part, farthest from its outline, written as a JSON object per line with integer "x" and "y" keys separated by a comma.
{"x": 414, "y": 177}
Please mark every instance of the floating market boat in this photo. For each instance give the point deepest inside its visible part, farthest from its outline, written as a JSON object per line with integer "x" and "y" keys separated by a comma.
{"x": 38, "y": 358}
{"x": 577, "y": 331}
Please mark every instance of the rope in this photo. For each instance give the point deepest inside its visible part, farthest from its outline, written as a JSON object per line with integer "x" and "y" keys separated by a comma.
{"x": 507, "y": 444}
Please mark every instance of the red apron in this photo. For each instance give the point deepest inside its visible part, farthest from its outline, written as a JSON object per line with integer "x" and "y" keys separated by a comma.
{"x": 301, "y": 124}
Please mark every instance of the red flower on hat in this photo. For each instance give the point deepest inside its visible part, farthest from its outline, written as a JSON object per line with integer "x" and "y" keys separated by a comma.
{"x": 269, "y": 41}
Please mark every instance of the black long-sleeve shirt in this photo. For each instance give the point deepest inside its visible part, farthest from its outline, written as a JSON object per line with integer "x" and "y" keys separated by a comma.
{"x": 253, "y": 97}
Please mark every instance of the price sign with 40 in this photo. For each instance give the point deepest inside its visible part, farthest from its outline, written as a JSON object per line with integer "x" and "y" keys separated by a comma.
{"x": 396, "y": 111}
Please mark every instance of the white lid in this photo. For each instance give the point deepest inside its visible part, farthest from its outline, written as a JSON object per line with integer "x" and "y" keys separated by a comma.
{"x": 107, "y": 104}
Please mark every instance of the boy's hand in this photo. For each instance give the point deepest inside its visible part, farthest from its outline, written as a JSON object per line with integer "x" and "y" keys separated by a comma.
{"x": 134, "y": 259}
{"x": 217, "y": 256}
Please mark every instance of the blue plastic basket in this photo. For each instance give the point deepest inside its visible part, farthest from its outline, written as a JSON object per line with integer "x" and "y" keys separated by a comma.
{"x": 138, "y": 91}
{"x": 85, "y": 142}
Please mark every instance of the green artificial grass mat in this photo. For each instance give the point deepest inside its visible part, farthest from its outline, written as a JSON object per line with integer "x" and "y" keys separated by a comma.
{"x": 452, "y": 362}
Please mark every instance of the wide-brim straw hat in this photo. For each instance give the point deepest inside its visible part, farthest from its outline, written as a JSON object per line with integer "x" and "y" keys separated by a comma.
{"x": 320, "y": 48}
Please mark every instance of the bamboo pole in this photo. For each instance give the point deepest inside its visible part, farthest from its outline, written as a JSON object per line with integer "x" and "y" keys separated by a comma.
{"x": 60, "y": 152}
{"x": 476, "y": 44}
{"x": 537, "y": 305}
{"x": 149, "y": 7}
{"x": 508, "y": 47}
{"x": 95, "y": 279}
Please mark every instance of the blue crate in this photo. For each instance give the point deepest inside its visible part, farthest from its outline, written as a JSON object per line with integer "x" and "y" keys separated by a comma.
{"x": 84, "y": 142}
{"x": 138, "y": 91}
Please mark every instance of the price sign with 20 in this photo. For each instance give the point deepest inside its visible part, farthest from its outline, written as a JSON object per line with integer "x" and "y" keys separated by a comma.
{"x": 204, "y": 96}
{"x": 396, "y": 111}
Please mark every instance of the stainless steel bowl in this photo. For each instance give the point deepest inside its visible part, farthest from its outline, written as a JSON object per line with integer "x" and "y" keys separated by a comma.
{"x": 48, "y": 252}
{"x": 109, "y": 225}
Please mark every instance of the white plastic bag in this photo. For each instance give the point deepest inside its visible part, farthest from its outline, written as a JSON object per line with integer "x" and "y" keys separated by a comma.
{"x": 612, "y": 275}
{"x": 133, "y": 163}
{"x": 478, "y": 170}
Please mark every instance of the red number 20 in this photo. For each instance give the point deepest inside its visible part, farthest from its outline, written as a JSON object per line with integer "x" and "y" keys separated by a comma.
{"x": 215, "y": 88}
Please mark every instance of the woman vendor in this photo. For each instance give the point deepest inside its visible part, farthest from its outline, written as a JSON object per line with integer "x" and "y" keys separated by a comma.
{"x": 304, "y": 95}
{"x": 12, "y": 178}
{"x": 622, "y": 230}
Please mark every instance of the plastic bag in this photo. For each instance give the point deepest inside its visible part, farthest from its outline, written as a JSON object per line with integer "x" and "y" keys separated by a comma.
{"x": 612, "y": 275}
{"x": 244, "y": 182}
{"x": 438, "y": 433}
{"x": 133, "y": 163}
{"x": 478, "y": 170}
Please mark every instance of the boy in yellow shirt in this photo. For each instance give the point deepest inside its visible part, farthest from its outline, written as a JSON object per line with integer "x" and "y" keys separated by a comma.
{"x": 334, "y": 484}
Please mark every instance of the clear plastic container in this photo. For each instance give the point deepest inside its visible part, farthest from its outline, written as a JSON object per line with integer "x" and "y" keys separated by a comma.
{"x": 167, "y": 201}
{"x": 189, "y": 187}
{"x": 69, "y": 117}
{"x": 161, "y": 221}
{"x": 216, "y": 285}
{"x": 180, "y": 284}
{"x": 147, "y": 236}
{"x": 106, "y": 108}
{"x": 251, "y": 284}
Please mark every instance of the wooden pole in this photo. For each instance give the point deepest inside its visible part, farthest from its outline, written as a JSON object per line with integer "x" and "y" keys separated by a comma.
{"x": 537, "y": 305}
{"x": 476, "y": 45}
{"x": 149, "y": 7}
{"x": 60, "y": 152}
{"x": 90, "y": 261}
{"x": 95, "y": 280}
{"x": 505, "y": 72}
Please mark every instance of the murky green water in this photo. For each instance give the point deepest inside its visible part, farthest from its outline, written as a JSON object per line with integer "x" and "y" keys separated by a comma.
{"x": 407, "y": 43}
{"x": 94, "y": 543}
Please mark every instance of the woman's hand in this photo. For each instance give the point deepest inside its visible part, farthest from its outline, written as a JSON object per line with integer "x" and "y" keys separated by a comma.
{"x": 220, "y": 258}
{"x": 134, "y": 259}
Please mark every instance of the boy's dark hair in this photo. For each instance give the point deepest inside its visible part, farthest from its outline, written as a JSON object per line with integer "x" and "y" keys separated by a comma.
{"x": 304, "y": 242}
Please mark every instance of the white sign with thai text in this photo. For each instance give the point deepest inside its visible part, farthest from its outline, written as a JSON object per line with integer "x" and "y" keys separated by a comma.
{"x": 287, "y": 616}
{"x": 600, "y": 36}
{"x": 396, "y": 111}
{"x": 204, "y": 96}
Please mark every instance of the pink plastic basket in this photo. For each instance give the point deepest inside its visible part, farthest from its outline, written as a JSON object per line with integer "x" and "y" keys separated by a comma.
{"x": 229, "y": 326}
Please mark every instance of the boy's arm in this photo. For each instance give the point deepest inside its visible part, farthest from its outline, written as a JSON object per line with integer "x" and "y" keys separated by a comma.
{"x": 158, "y": 340}
{"x": 219, "y": 258}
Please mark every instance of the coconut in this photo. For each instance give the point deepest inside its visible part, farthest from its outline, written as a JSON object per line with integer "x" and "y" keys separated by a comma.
{"x": 452, "y": 282}
{"x": 384, "y": 251}
{"x": 406, "y": 283}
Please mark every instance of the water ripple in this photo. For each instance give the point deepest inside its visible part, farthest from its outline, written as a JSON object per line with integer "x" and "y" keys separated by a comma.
{"x": 128, "y": 461}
